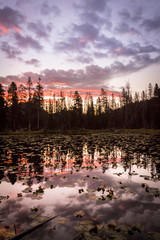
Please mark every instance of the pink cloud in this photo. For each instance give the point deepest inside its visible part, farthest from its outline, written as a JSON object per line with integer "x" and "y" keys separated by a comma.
{"x": 3, "y": 30}
{"x": 6, "y": 30}
{"x": 82, "y": 40}
{"x": 10, "y": 19}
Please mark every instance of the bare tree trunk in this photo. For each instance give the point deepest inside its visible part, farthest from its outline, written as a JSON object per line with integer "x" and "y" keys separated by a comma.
{"x": 38, "y": 117}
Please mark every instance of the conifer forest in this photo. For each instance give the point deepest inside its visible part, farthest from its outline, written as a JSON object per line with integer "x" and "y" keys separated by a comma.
{"x": 22, "y": 108}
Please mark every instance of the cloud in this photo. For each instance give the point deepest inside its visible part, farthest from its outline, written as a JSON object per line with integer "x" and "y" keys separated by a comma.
{"x": 87, "y": 31}
{"x": 124, "y": 28}
{"x": 114, "y": 47}
{"x": 145, "y": 60}
{"x": 82, "y": 35}
{"x": 70, "y": 44}
{"x": 94, "y": 12}
{"x": 125, "y": 14}
{"x": 10, "y": 51}
{"x": 10, "y": 19}
{"x": 90, "y": 77}
{"x": 100, "y": 55}
{"x": 93, "y": 18}
{"x": 22, "y": 3}
{"x": 34, "y": 62}
{"x": 137, "y": 14}
{"x": 27, "y": 42}
{"x": 41, "y": 30}
{"x": 134, "y": 16}
{"x": 133, "y": 49}
{"x": 47, "y": 9}
{"x": 84, "y": 59}
{"x": 145, "y": 49}
{"x": 137, "y": 63}
{"x": 93, "y": 5}
{"x": 106, "y": 43}
{"x": 151, "y": 24}
{"x": 8, "y": 79}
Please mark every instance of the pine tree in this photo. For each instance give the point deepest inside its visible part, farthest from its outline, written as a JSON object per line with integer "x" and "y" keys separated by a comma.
{"x": 29, "y": 83}
{"x": 38, "y": 101}
{"x": 150, "y": 90}
{"x": 156, "y": 91}
{"x": 2, "y": 109}
{"x": 13, "y": 103}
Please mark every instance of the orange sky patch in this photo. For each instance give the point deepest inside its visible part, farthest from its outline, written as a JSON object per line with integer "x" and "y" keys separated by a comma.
{"x": 4, "y": 30}
{"x": 58, "y": 83}
{"x": 17, "y": 29}
{"x": 82, "y": 40}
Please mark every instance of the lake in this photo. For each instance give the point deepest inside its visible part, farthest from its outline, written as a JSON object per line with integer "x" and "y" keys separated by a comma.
{"x": 99, "y": 186}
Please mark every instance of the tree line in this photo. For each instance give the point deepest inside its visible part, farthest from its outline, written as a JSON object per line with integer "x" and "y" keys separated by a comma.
{"x": 22, "y": 108}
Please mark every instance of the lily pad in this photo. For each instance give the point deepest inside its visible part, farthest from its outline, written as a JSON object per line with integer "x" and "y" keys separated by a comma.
{"x": 27, "y": 190}
{"x": 79, "y": 214}
{"x": 61, "y": 220}
{"x": 154, "y": 235}
{"x": 6, "y": 233}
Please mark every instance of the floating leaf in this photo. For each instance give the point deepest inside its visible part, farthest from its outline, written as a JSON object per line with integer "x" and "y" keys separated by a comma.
{"x": 101, "y": 189}
{"x": 27, "y": 190}
{"x": 4, "y": 233}
{"x": 40, "y": 190}
{"x": 154, "y": 235}
{"x": 19, "y": 195}
{"x": 79, "y": 214}
{"x": 61, "y": 220}
{"x": 34, "y": 209}
{"x": 81, "y": 190}
{"x": 3, "y": 197}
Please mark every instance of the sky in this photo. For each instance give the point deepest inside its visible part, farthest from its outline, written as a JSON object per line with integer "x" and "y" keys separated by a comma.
{"x": 80, "y": 45}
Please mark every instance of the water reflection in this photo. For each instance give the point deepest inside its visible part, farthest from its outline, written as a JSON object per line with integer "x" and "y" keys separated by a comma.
{"x": 111, "y": 178}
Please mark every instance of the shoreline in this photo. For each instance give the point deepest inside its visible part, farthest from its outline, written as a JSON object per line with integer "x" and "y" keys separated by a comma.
{"x": 81, "y": 131}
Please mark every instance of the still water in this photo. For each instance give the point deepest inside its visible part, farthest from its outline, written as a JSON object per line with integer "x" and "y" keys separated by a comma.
{"x": 104, "y": 186}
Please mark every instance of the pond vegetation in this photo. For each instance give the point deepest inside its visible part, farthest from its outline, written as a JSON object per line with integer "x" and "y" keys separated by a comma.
{"x": 99, "y": 186}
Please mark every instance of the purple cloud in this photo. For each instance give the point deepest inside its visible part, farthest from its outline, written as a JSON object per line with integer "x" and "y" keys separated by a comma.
{"x": 10, "y": 51}
{"x": 94, "y": 12}
{"x": 135, "y": 49}
{"x": 106, "y": 43}
{"x": 144, "y": 60}
{"x": 82, "y": 59}
{"x": 46, "y": 9}
{"x": 41, "y": 30}
{"x": 10, "y": 19}
{"x": 91, "y": 17}
{"x": 84, "y": 33}
{"x": 125, "y": 14}
{"x": 100, "y": 55}
{"x": 135, "y": 16}
{"x": 22, "y": 3}
{"x": 92, "y": 76}
{"x": 116, "y": 48}
{"x": 124, "y": 28}
{"x": 71, "y": 44}
{"x": 27, "y": 42}
{"x": 93, "y": 5}
{"x": 87, "y": 31}
{"x": 151, "y": 24}
{"x": 34, "y": 62}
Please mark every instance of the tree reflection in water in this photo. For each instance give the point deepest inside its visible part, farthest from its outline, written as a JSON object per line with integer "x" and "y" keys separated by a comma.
{"x": 107, "y": 178}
